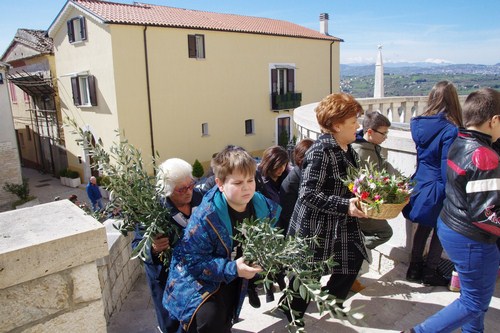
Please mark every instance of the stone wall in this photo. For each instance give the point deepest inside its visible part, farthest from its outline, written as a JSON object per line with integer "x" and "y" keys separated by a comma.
{"x": 11, "y": 172}
{"x": 117, "y": 272}
{"x": 48, "y": 273}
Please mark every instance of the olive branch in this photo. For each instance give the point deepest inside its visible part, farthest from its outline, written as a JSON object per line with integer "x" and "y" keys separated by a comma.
{"x": 276, "y": 253}
{"x": 132, "y": 190}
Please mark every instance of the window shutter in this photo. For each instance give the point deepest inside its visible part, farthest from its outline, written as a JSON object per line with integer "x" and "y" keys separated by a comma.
{"x": 274, "y": 81}
{"x": 92, "y": 90}
{"x": 71, "y": 31}
{"x": 203, "y": 53}
{"x": 291, "y": 80}
{"x": 75, "y": 88}
{"x": 83, "y": 28}
{"x": 192, "y": 46}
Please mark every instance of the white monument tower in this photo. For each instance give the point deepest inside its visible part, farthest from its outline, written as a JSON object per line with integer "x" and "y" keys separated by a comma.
{"x": 378, "y": 89}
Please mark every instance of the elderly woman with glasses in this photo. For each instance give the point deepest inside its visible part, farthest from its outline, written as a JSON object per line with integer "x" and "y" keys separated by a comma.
{"x": 176, "y": 184}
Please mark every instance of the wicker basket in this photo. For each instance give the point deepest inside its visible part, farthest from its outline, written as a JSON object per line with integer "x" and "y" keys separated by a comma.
{"x": 384, "y": 211}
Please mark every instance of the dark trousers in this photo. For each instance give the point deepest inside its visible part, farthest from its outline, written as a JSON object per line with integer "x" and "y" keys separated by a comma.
{"x": 216, "y": 314}
{"x": 338, "y": 285}
{"x": 419, "y": 241}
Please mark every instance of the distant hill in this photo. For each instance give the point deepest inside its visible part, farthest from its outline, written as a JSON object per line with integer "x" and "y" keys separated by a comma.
{"x": 417, "y": 79}
{"x": 419, "y": 68}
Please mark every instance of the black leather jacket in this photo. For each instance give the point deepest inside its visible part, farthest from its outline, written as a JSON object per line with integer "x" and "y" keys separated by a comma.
{"x": 472, "y": 204}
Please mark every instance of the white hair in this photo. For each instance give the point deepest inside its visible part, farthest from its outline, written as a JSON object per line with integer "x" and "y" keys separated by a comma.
{"x": 170, "y": 173}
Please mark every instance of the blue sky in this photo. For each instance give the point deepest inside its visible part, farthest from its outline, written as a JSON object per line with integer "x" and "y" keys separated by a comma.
{"x": 460, "y": 31}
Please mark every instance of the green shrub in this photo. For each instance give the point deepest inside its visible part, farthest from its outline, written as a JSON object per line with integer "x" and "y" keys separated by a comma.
{"x": 63, "y": 173}
{"x": 21, "y": 190}
{"x": 72, "y": 174}
{"x": 103, "y": 181}
{"x": 198, "y": 169}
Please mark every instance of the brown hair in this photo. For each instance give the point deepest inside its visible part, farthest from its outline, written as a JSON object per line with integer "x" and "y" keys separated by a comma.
{"x": 233, "y": 159}
{"x": 273, "y": 158}
{"x": 300, "y": 151}
{"x": 444, "y": 97}
{"x": 375, "y": 120}
{"x": 335, "y": 109}
{"x": 480, "y": 106}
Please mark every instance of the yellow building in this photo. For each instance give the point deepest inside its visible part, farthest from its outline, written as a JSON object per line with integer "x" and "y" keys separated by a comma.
{"x": 182, "y": 82}
{"x": 35, "y": 108}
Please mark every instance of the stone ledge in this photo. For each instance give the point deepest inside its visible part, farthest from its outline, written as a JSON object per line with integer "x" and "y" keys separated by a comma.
{"x": 46, "y": 239}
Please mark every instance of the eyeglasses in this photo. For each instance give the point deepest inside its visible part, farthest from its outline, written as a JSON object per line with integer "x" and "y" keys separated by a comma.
{"x": 184, "y": 189}
{"x": 382, "y": 133}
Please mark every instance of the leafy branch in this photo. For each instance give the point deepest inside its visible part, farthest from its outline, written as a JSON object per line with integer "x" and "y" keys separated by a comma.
{"x": 133, "y": 191}
{"x": 290, "y": 255}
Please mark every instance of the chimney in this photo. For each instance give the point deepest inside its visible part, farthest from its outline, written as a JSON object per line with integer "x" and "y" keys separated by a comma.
{"x": 323, "y": 23}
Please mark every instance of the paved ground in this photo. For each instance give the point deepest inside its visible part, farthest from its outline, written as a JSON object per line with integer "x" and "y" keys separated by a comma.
{"x": 389, "y": 303}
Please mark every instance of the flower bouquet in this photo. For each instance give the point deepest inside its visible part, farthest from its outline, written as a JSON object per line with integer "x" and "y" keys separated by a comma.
{"x": 382, "y": 195}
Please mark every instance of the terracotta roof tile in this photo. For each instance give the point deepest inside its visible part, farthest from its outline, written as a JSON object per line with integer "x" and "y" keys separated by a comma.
{"x": 36, "y": 39}
{"x": 146, "y": 14}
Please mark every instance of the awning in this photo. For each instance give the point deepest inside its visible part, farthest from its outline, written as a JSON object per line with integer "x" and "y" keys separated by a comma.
{"x": 32, "y": 84}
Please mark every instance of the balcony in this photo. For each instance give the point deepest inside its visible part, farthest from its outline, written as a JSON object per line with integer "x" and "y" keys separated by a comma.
{"x": 285, "y": 101}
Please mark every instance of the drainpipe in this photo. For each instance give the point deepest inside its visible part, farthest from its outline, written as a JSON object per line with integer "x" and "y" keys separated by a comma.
{"x": 148, "y": 89}
{"x": 331, "y": 67}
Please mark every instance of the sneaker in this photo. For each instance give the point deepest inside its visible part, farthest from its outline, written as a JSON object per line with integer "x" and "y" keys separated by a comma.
{"x": 455, "y": 282}
{"x": 431, "y": 277}
{"x": 415, "y": 272}
{"x": 357, "y": 286}
{"x": 253, "y": 298}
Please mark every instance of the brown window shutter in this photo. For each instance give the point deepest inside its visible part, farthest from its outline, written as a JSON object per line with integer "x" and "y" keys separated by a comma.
{"x": 291, "y": 79}
{"x": 71, "y": 32}
{"x": 75, "y": 88}
{"x": 192, "y": 46}
{"x": 83, "y": 28}
{"x": 92, "y": 90}
{"x": 274, "y": 81}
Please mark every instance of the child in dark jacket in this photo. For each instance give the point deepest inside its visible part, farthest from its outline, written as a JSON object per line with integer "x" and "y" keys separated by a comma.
{"x": 469, "y": 223}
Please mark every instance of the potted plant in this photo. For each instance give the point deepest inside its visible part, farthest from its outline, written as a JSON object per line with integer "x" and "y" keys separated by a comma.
{"x": 63, "y": 176}
{"x": 73, "y": 178}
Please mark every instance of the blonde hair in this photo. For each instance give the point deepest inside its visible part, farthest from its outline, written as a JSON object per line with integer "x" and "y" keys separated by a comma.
{"x": 335, "y": 109}
{"x": 170, "y": 173}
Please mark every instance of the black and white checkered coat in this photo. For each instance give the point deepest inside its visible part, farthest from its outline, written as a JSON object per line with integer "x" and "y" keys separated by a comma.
{"x": 323, "y": 203}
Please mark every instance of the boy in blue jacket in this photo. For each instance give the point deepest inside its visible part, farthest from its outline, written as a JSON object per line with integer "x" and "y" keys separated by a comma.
{"x": 207, "y": 279}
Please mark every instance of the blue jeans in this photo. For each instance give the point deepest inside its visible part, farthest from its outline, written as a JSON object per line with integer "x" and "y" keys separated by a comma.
{"x": 477, "y": 270}
{"x": 98, "y": 206}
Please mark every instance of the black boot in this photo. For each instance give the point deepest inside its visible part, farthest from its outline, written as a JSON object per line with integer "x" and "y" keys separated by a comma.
{"x": 270, "y": 294}
{"x": 415, "y": 272}
{"x": 253, "y": 296}
{"x": 432, "y": 277}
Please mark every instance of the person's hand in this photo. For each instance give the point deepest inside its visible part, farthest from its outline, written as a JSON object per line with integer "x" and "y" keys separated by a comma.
{"x": 245, "y": 271}
{"x": 354, "y": 210}
{"x": 160, "y": 243}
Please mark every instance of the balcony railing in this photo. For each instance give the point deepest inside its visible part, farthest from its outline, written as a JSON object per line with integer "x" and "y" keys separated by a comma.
{"x": 285, "y": 101}
{"x": 399, "y": 110}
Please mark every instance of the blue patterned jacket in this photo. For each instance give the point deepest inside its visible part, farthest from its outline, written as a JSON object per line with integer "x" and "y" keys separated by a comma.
{"x": 202, "y": 259}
